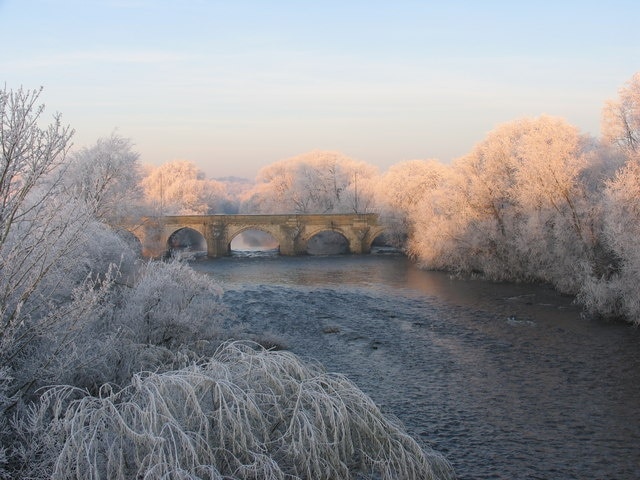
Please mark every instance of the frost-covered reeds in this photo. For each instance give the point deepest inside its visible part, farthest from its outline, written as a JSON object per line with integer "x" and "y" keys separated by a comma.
{"x": 247, "y": 413}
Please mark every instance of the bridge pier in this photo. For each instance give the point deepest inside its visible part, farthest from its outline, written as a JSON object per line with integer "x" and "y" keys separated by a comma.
{"x": 355, "y": 246}
{"x": 287, "y": 246}
{"x": 216, "y": 237}
{"x": 289, "y": 238}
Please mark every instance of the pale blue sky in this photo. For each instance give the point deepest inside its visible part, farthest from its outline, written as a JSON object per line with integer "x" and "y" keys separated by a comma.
{"x": 236, "y": 85}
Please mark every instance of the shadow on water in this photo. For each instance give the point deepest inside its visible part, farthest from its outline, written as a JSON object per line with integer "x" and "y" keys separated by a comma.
{"x": 508, "y": 381}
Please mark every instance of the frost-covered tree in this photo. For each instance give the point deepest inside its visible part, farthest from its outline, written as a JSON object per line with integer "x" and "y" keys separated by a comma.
{"x": 32, "y": 236}
{"x": 439, "y": 224}
{"x": 180, "y": 188}
{"x": 401, "y": 190}
{"x": 315, "y": 182}
{"x": 56, "y": 261}
{"x": 612, "y": 290}
{"x": 621, "y": 118}
{"x": 103, "y": 175}
{"x": 515, "y": 208}
{"x": 556, "y": 234}
{"x": 469, "y": 222}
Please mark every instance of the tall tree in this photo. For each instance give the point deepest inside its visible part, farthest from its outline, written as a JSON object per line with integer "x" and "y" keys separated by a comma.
{"x": 31, "y": 163}
{"x": 621, "y": 118}
{"x": 106, "y": 177}
{"x": 53, "y": 253}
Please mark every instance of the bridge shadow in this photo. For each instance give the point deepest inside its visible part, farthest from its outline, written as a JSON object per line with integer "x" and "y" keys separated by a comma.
{"x": 328, "y": 243}
{"x": 187, "y": 241}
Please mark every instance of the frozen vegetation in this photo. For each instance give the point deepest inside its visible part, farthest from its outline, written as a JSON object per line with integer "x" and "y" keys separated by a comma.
{"x": 243, "y": 413}
{"x": 146, "y": 384}
{"x": 115, "y": 367}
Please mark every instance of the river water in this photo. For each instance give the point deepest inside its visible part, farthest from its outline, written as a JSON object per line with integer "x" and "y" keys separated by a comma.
{"x": 507, "y": 381}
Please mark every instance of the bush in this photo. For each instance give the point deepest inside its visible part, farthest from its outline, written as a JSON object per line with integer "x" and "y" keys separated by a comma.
{"x": 247, "y": 413}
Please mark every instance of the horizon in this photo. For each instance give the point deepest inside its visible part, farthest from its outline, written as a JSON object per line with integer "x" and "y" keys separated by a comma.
{"x": 236, "y": 87}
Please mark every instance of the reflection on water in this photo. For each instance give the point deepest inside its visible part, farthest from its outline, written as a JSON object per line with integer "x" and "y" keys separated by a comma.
{"x": 508, "y": 381}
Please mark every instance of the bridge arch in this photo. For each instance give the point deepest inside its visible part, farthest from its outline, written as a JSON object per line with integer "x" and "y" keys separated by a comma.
{"x": 312, "y": 233}
{"x": 328, "y": 242}
{"x": 186, "y": 239}
{"x": 272, "y": 231}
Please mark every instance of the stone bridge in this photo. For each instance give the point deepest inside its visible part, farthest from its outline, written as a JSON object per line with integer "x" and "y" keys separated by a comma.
{"x": 292, "y": 232}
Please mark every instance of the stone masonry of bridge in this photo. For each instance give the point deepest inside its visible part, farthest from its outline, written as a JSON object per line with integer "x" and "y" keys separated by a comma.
{"x": 292, "y": 232}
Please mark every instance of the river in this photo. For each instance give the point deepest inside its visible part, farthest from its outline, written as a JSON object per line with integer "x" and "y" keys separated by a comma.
{"x": 508, "y": 381}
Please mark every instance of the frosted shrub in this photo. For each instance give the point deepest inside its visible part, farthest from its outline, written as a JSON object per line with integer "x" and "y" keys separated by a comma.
{"x": 247, "y": 413}
{"x": 615, "y": 292}
{"x": 171, "y": 305}
{"x": 166, "y": 319}
{"x": 57, "y": 296}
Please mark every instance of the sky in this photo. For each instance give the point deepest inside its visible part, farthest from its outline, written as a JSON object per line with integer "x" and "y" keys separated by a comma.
{"x": 234, "y": 86}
